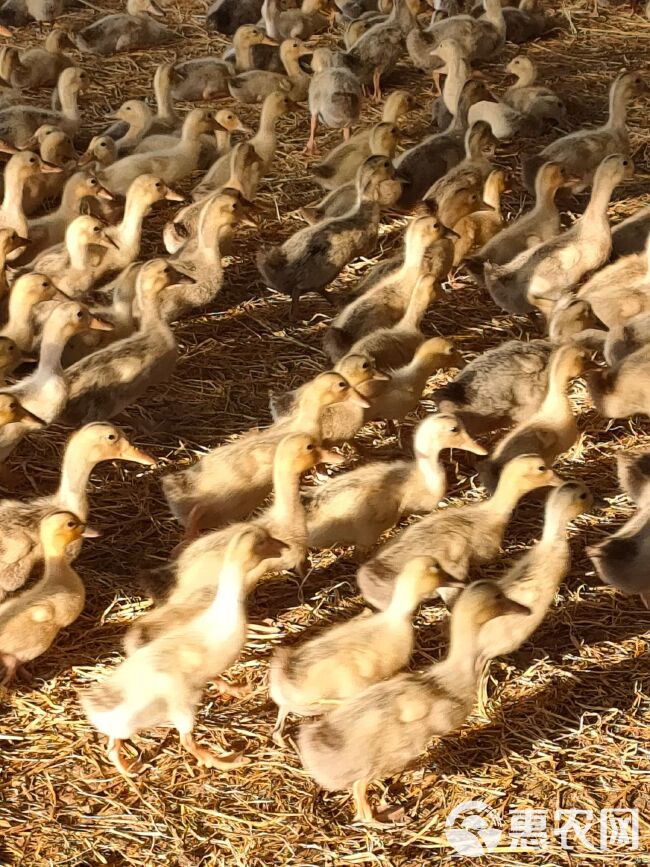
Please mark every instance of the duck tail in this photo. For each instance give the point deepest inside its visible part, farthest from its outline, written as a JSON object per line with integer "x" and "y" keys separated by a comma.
{"x": 529, "y": 168}
{"x": 323, "y": 170}
{"x": 269, "y": 262}
{"x": 474, "y": 266}
{"x": 489, "y": 473}
{"x": 309, "y": 215}
{"x": 343, "y": 108}
{"x": 449, "y": 397}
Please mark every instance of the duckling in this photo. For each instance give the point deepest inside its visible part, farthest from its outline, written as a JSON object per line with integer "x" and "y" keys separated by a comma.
{"x": 172, "y": 164}
{"x": 475, "y": 230}
{"x": 45, "y": 391}
{"x": 233, "y": 479}
{"x": 379, "y": 49}
{"x": 102, "y": 384}
{"x": 199, "y": 563}
{"x": 161, "y": 684}
{"x": 18, "y": 123}
{"x": 387, "y": 726}
{"x": 21, "y": 167}
{"x": 529, "y": 98}
{"x": 470, "y": 173}
{"x": 535, "y": 577}
{"x": 356, "y": 507}
{"x": 550, "y": 431}
{"x": 458, "y": 70}
{"x": 351, "y": 656}
{"x": 134, "y": 121}
{"x": 20, "y": 547}
{"x": 504, "y": 121}
{"x": 355, "y": 9}
{"x": 294, "y": 23}
{"x": 620, "y": 391}
{"x": 264, "y": 143}
{"x": 56, "y": 149}
{"x": 256, "y": 84}
{"x": 334, "y": 95}
{"x": 540, "y": 224}
{"x": 48, "y": 230}
{"x": 397, "y": 104}
{"x": 202, "y": 78}
{"x": 583, "y": 151}
{"x": 457, "y": 538}
{"x": 41, "y": 67}
{"x": 340, "y": 422}
{"x": 480, "y": 38}
{"x": 395, "y": 346}
{"x": 27, "y": 291}
{"x": 538, "y": 276}
{"x": 620, "y": 560}
{"x": 226, "y": 16}
{"x": 341, "y": 164}
{"x": 200, "y": 257}
{"x": 525, "y": 22}
{"x": 353, "y": 30}
{"x": 622, "y": 339}
{"x": 124, "y": 239}
{"x": 120, "y": 314}
{"x": 75, "y": 265}
{"x": 254, "y": 50}
{"x": 15, "y": 422}
{"x": 30, "y": 623}
{"x": 18, "y": 13}
{"x": 621, "y": 290}
{"x": 630, "y": 235}
{"x": 126, "y": 31}
{"x": 311, "y": 258}
{"x": 403, "y": 393}
{"x": 12, "y": 245}
{"x": 382, "y": 301}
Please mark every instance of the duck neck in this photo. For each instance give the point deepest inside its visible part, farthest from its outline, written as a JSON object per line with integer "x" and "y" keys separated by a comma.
{"x": 70, "y": 103}
{"x": 12, "y": 202}
{"x": 292, "y": 67}
{"x": 264, "y": 141}
{"x": 617, "y": 107}
{"x": 555, "y": 528}
{"x": 49, "y": 361}
{"x": 556, "y": 391}
{"x": 596, "y": 211}
{"x": 415, "y": 309}
{"x": 222, "y": 138}
{"x": 544, "y": 196}
{"x": 309, "y": 415}
{"x": 135, "y": 132}
{"x": 70, "y": 206}
{"x": 151, "y": 318}
{"x": 429, "y": 470}
{"x": 502, "y": 503}
{"x": 19, "y": 320}
{"x": 492, "y": 195}
{"x": 494, "y": 14}
{"x": 287, "y": 509}
{"x": 57, "y": 570}
{"x": 463, "y": 651}
{"x": 208, "y": 245}
{"x": 525, "y": 78}
{"x": 75, "y": 475}
{"x": 164, "y": 103}
{"x": 458, "y": 70}
{"x": 78, "y": 252}
{"x": 271, "y": 16}
{"x": 129, "y": 230}
{"x": 229, "y": 606}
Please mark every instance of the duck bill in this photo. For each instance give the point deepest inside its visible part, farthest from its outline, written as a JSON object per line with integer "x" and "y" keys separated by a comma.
{"x": 268, "y": 41}
{"x": 241, "y": 127}
{"x": 23, "y": 414}
{"x": 17, "y": 243}
{"x": 103, "y": 193}
{"x": 5, "y": 31}
{"x": 91, "y": 533}
{"x": 248, "y": 218}
{"x": 470, "y": 445}
{"x": 509, "y": 606}
{"x": 130, "y": 453}
{"x": 49, "y": 168}
{"x": 7, "y": 148}
{"x": 554, "y": 480}
{"x": 173, "y": 196}
{"x": 100, "y": 325}
{"x": 179, "y": 277}
{"x": 380, "y": 376}
{"x": 326, "y": 456}
{"x": 86, "y": 158}
{"x": 450, "y": 234}
{"x": 110, "y": 242}
{"x": 273, "y": 548}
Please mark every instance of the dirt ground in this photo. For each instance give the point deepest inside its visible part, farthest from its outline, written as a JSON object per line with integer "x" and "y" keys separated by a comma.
{"x": 565, "y": 721}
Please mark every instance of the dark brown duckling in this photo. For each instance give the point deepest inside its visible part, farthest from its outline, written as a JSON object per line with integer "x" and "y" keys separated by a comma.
{"x": 311, "y": 258}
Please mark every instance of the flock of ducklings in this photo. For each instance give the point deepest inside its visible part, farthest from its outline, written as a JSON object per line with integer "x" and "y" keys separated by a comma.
{"x": 76, "y": 295}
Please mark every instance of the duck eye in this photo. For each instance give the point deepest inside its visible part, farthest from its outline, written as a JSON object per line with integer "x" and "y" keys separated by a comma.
{"x": 44, "y": 284}
{"x": 96, "y": 229}
{"x": 342, "y": 385}
{"x": 454, "y": 430}
{"x": 11, "y": 347}
{"x": 80, "y": 314}
{"x": 310, "y": 448}
{"x": 32, "y": 160}
{"x": 13, "y": 405}
{"x": 93, "y": 182}
{"x": 111, "y": 437}
{"x": 365, "y": 365}
{"x": 158, "y": 185}
{"x": 71, "y": 525}
{"x": 583, "y": 496}
{"x": 542, "y": 469}
{"x": 128, "y": 108}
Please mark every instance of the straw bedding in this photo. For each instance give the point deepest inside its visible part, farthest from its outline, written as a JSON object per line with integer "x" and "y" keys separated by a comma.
{"x": 564, "y": 720}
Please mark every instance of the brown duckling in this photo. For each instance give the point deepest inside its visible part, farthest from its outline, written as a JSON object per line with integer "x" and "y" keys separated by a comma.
{"x": 470, "y": 173}
{"x": 20, "y": 547}
{"x": 525, "y": 22}
{"x": 540, "y": 224}
{"x": 387, "y": 726}
{"x": 537, "y": 277}
{"x": 126, "y": 31}
{"x": 630, "y": 235}
{"x": 161, "y": 683}
{"x": 254, "y": 50}
{"x": 395, "y": 346}
{"x": 10, "y": 358}
{"x": 342, "y": 164}
{"x": 621, "y": 391}
{"x": 356, "y": 507}
{"x": 233, "y": 479}
{"x": 30, "y": 622}
{"x": 56, "y": 149}
{"x": 476, "y": 229}
{"x": 41, "y": 67}
{"x": 620, "y": 560}
{"x": 199, "y": 563}
{"x": 15, "y": 422}
{"x": 27, "y": 291}
{"x": 347, "y": 658}
{"x": 534, "y": 579}
{"x": 256, "y": 84}
{"x": 334, "y": 95}
{"x": 551, "y": 430}
{"x": 226, "y": 16}
{"x": 311, "y": 258}
{"x": 529, "y": 98}
{"x": 294, "y": 23}
{"x": 202, "y": 78}
{"x": 457, "y": 538}
{"x": 397, "y": 398}
{"x": 383, "y": 299}
{"x": 22, "y": 166}
{"x": 582, "y": 152}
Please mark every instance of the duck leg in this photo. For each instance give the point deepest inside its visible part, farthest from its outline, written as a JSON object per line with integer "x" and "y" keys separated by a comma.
{"x": 376, "y": 80}
{"x": 114, "y": 752}
{"x": 278, "y": 729}
{"x": 207, "y": 758}
{"x": 435, "y": 75}
{"x": 310, "y": 147}
{"x": 364, "y": 810}
{"x": 347, "y": 132}
{"x": 10, "y": 665}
